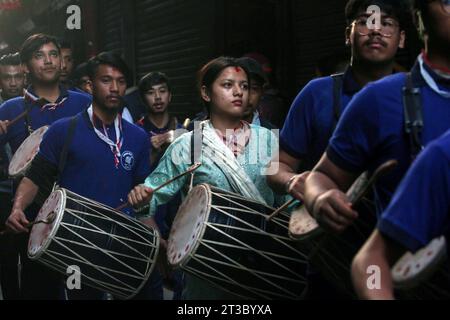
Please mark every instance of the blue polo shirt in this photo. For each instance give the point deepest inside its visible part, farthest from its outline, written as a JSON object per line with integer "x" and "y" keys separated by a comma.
{"x": 311, "y": 120}
{"x": 371, "y": 130}
{"x": 90, "y": 170}
{"x": 38, "y": 117}
{"x": 420, "y": 209}
{"x": 153, "y": 130}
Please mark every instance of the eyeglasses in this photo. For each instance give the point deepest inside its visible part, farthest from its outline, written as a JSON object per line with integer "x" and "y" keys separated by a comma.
{"x": 387, "y": 28}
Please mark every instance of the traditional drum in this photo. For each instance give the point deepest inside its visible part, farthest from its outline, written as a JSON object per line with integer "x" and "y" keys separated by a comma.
{"x": 330, "y": 254}
{"x": 425, "y": 274}
{"x": 114, "y": 253}
{"x": 226, "y": 239}
{"x": 23, "y": 157}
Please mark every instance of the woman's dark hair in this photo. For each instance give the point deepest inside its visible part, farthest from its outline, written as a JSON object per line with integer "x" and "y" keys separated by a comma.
{"x": 212, "y": 70}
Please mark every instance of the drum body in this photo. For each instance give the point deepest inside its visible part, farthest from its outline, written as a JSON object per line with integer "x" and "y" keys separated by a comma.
{"x": 330, "y": 254}
{"x": 226, "y": 239}
{"x": 114, "y": 253}
{"x": 23, "y": 157}
{"x": 425, "y": 274}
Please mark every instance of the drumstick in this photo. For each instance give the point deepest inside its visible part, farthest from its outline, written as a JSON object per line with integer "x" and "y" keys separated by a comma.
{"x": 50, "y": 218}
{"x": 283, "y": 207}
{"x": 355, "y": 198}
{"x": 190, "y": 170}
{"x": 16, "y": 119}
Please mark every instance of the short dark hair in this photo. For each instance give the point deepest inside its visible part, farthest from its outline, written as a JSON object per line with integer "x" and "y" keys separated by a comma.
{"x": 152, "y": 79}
{"x": 212, "y": 70}
{"x": 64, "y": 44}
{"x": 79, "y": 72}
{"x": 34, "y": 43}
{"x": 107, "y": 58}
{"x": 12, "y": 59}
{"x": 397, "y": 9}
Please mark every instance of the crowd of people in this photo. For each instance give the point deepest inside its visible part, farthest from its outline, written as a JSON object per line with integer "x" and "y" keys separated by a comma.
{"x": 104, "y": 146}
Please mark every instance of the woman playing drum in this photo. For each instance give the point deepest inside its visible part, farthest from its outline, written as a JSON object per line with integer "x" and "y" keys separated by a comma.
{"x": 233, "y": 153}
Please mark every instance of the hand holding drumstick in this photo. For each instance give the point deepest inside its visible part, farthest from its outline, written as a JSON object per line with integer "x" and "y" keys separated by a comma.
{"x": 5, "y": 124}
{"x": 142, "y": 195}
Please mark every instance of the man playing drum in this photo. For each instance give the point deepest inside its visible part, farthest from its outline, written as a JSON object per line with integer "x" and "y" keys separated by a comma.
{"x": 316, "y": 110}
{"x": 12, "y": 81}
{"x": 106, "y": 157}
{"x": 379, "y": 125}
{"x": 46, "y": 101}
{"x": 391, "y": 119}
{"x": 419, "y": 209}
{"x": 418, "y": 213}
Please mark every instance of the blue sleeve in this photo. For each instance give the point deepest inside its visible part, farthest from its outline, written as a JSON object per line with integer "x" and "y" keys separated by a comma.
{"x": 297, "y": 132}
{"x": 357, "y": 134}
{"x": 5, "y": 114}
{"x": 53, "y": 142}
{"x": 419, "y": 211}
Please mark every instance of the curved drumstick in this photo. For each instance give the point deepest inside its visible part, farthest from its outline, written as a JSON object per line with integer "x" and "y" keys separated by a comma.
{"x": 16, "y": 119}
{"x": 50, "y": 218}
{"x": 190, "y": 170}
{"x": 283, "y": 207}
{"x": 354, "y": 197}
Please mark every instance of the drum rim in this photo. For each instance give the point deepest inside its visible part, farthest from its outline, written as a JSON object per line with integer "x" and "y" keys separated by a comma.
{"x": 17, "y": 174}
{"x": 411, "y": 281}
{"x": 311, "y": 235}
{"x": 56, "y": 224}
{"x": 206, "y": 187}
{"x": 64, "y": 193}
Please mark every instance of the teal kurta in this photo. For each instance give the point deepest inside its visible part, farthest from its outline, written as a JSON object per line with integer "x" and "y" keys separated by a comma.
{"x": 255, "y": 161}
{"x": 262, "y": 145}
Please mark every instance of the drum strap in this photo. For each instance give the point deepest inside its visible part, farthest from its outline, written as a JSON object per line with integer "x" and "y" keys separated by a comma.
{"x": 412, "y": 106}
{"x": 338, "y": 83}
{"x": 65, "y": 150}
{"x": 28, "y": 125}
{"x": 196, "y": 148}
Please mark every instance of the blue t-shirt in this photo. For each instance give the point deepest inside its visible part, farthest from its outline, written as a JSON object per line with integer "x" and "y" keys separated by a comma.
{"x": 90, "y": 170}
{"x": 37, "y": 117}
{"x": 371, "y": 130}
{"x": 420, "y": 209}
{"x": 311, "y": 119}
{"x": 153, "y": 130}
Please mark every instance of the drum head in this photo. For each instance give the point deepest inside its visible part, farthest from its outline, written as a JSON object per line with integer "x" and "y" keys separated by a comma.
{"x": 25, "y": 154}
{"x": 42, "y": 234}
{"x": 189, "y": 225}
{"x": 302, "y": 225}
{"x": 412, "y": 269}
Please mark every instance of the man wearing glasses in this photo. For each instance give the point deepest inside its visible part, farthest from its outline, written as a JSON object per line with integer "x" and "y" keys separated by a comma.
{"x": 390, "y": 119}
{"x": 317, "y": 109}
{"x": 419, "y": 211}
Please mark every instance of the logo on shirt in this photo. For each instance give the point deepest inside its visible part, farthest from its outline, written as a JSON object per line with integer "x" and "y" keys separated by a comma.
{"x": 127, "y": 160}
